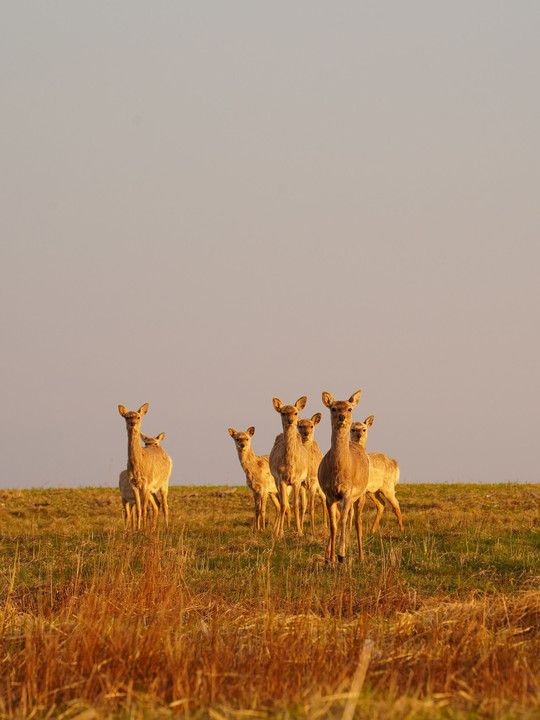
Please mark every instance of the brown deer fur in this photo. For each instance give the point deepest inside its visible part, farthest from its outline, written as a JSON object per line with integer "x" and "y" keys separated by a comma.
{"x": 126, "y": 491}
{"x": 289, "y": 461}
{"x": 306, "y": 430}
{"x": 383, "y": 474}
{"x": 343, "y": 475}
{"x": 258, "y": 476}
{"x": 149, "y": 468}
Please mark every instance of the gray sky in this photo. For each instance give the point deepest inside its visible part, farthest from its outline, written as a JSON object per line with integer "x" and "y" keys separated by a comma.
{"x": 205, "y": 205}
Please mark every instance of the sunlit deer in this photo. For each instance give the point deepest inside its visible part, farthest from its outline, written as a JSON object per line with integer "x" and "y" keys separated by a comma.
{"x": 149, "y": 468}
{"x": 343, "y": 475}
{"x": 289, "y": 461}
{"x": 258, "y": 476}
{"x": 306, "y": 429}
{"x": 129, "y": 506}
{"x": 383, "y": 474}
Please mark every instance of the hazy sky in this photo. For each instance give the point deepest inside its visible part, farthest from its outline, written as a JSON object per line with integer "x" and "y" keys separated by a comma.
{"x": 208, "y": 204}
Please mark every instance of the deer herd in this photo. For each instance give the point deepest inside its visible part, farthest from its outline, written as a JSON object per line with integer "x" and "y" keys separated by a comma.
{"x": 294, "y": 473}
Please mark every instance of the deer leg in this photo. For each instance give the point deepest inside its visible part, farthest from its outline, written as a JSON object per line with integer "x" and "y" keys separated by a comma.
{"x": 312, "y": 510}
{"x": 346, "y": 509}
{"x": 138, "y": 506}
{"x": 359, "y": 506}
{"x": 323, "y": 506}
{"x": 264, "y": 498}
{"x": 303, "y": 496}
{"x": 284, "y": 498}
{"x": 276, "y": 502}
{"x": 380, "y": 509}
{"x": 392, "y": 499}
{"x": 331, "y": 547}
{"x": 155, "y": 510}
{"x": 297, "y": 491}
{"x": 165, "y": 506}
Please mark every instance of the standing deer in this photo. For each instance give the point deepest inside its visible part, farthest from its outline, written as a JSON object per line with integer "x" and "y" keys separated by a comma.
{"x": 258, "y": 476}
{"x": 149, "y": 468}
{"x": 383, "y": 474}
{"x": 127, "y": 494}
{"x": 306, "y": 429}
{"x": 289, "y": 461}
{"x": 343, "y": 475}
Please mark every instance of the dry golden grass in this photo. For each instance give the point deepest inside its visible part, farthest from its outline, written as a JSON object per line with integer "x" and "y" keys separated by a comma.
{"x": 442, "y": 621}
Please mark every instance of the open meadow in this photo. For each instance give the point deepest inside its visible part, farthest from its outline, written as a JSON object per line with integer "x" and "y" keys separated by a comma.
{"x": 213, "y": 620}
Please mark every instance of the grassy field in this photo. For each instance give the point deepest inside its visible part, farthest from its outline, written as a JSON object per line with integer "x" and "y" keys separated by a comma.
{"x": 211, "y": 620}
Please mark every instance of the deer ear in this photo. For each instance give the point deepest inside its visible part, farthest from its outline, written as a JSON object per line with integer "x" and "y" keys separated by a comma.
{"x": 355, "y": 397}
{"x": 160, "y": 437}
{"x": 300, "y": 404}
{"x": 369, "y": 420}
{"x": 145, "y": 438}
{"x": 327, "y": 399}
{"x": 122, "y": 410}
{"x": 232, "y": 432}
{"x": 251, "y": 431}
{"x": 144, "y": 409}
{"x": 277, "y": 404}
{"x": 316, "y": 419}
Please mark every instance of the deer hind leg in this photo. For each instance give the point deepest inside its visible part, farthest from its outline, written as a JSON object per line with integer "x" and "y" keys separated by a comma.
{"x": 358, "y": 507}
{"x": 392, "y": 499}
{"x": 275, "y": 500}
{"x": 126, "y": 514}
{"x": 164, "y": 506}
{"x": 379, "y": 504}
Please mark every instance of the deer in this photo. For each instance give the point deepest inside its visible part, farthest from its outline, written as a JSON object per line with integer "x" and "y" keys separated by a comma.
{"x": 149, "y": 468}
{"x": 383, "y": 475}
{"x": 258, "y": 477}
{"x": 289, "y": 461}
{"x": 306, "y": 430}
{"x": 126, "y": 491}
{"x": 343, "y": 476}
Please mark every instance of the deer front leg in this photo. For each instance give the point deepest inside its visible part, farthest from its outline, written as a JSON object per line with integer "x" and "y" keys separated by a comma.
{"x": 155, "y": 510}
{"x": 324, "y": 513}
{"x": 138, "y": 506}
{"x": 284, "y": 498}
{"x": 264, "y": 498}
{"x": 299, "y": 520}
{"x": 331, "y": 547}
{"x": 146, "y": 496}
{"x": 346, "y": 520}
{"x": 312, "y": 510}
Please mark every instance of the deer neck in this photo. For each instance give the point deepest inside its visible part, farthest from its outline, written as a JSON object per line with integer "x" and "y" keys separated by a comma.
{"x": 362, "y": 441}
{"x": 339, "y": 445}
{"x": 135, "y": 451}
{"x": 290, "y": 435}
{"x": 247, "y": 459}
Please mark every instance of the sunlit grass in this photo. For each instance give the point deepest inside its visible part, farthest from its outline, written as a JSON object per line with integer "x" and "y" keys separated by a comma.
{"x": 213, "y": 620}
